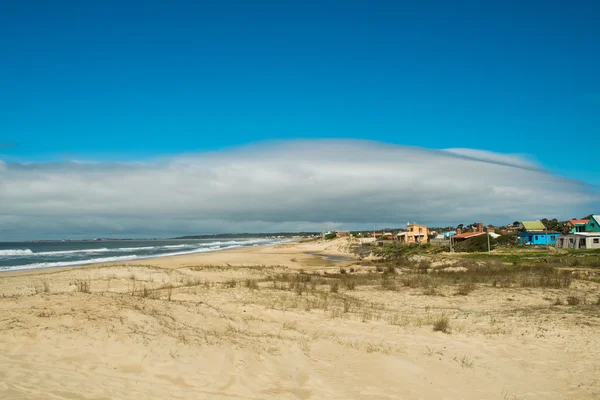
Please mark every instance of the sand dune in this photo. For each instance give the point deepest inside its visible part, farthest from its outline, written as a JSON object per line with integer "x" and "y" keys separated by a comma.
{"x": 193, "y": 327}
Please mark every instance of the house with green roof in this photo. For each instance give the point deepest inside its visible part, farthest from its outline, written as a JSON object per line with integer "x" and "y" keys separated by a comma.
{"x": 593, "y": 224}
{"x": 535, "y": 233}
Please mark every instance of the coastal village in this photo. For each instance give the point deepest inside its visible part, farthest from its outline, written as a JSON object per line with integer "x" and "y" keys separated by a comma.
{"x": 572, "y": 234}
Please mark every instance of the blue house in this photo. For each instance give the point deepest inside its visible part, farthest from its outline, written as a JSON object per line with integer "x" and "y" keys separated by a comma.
{"x": 538, "y": 238}
{"x": 535, "y": 233}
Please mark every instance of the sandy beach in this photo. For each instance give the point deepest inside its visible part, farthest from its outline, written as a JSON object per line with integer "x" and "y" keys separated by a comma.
{"x": 272, "y": 322}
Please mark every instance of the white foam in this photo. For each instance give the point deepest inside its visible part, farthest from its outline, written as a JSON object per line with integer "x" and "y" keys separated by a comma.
{"x": 60, "y": 252}
{"x": 214, "y": 246}
{"x": 14, "y": 252}
{"x": 70, "y": 263}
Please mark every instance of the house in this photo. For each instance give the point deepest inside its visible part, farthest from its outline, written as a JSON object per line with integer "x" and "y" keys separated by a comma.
{"x": 415, "y": 234}
{"x": 342, "y": 234}
{"x": 459, "y": 237}
{"x": 577, "y": 225}
{"x": 536, "y": 233}
{"x": 538, "y": 238}
{"x": 579, "y": 240}
{"x": 593, "y": 224}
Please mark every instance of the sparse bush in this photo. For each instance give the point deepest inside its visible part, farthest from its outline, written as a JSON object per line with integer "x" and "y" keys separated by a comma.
{"x": 465, "y": 288}
{"x": 546, "y": 278}
{"x": 350, "y": 284}
{"x": 379, "y": 269}
{"x": 145, "y": 292}
{"x": 442, "y": 324}
{"x": 388, "y": 283}
{"x": 334, "y": 288}
{"x": 430, "y": 292}
{"x": 351, "y": 269}
{"x": 475, "y": 244}
{"x": 342, "y": 271}
{"x": 251, "y": 284}
{"x": 231, "y": 283}
{"x": 347, "y": 305}
{"x": 558, "y": 302}
{"x": 423, "y": 266}
{"x": 574, "y": 300}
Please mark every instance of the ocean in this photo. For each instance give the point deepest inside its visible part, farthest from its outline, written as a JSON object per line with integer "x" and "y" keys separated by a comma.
{"x": 33, "y": 255}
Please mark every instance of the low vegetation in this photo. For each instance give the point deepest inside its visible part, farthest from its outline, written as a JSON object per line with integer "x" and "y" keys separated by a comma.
{"x": 442, "y": 324}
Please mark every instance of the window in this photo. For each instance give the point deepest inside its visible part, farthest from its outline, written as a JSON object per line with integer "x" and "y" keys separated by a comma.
{"x": 596, "y": 241}
{"x": 536, "y": 238}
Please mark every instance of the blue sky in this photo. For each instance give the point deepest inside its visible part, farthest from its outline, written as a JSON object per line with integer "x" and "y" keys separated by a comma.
{"x": 140, "y": 80}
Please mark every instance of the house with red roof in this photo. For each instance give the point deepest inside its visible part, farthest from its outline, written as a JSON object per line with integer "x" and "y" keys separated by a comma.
{"x": 577, "y": 225}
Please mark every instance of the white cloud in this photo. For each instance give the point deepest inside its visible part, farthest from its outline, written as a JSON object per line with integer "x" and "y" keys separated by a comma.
{"x": 285, "y": 186}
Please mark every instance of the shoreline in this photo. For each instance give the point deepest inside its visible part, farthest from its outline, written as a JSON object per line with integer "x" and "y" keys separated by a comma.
{"x": 270, "y": 252}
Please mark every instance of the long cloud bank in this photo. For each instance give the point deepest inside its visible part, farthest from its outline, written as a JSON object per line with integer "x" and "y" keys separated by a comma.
{"x": 284, "y": 186}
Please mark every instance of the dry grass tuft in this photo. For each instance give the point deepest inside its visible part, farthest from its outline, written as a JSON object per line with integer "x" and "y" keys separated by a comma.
{"x": 41, "y": 286}
{"x": 442, "y": 324}
{"x": 83, "y": 285}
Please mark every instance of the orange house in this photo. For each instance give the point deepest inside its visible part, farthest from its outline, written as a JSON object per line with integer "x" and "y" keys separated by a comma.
{"x": 415, "y": 234}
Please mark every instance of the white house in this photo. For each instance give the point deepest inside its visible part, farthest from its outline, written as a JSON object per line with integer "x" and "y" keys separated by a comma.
{"x": 579, "y": 240}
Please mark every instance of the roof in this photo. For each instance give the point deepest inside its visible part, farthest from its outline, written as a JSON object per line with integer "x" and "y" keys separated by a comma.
{"x": 494, "y": 235}
{"x": 584, "y": 234}
{"x": 539, "y": 233}
{"x": 597, "y": 218}
{"x": 533, "y": 225}
{"x": 579, "y": 221}
{"x": 468, "y": 235}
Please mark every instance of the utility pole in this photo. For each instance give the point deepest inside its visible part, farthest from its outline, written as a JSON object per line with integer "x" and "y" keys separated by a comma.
{"x": 547, "y": 247}
{"x": 323, "y": 233}
{"x": 489, "y": 248}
